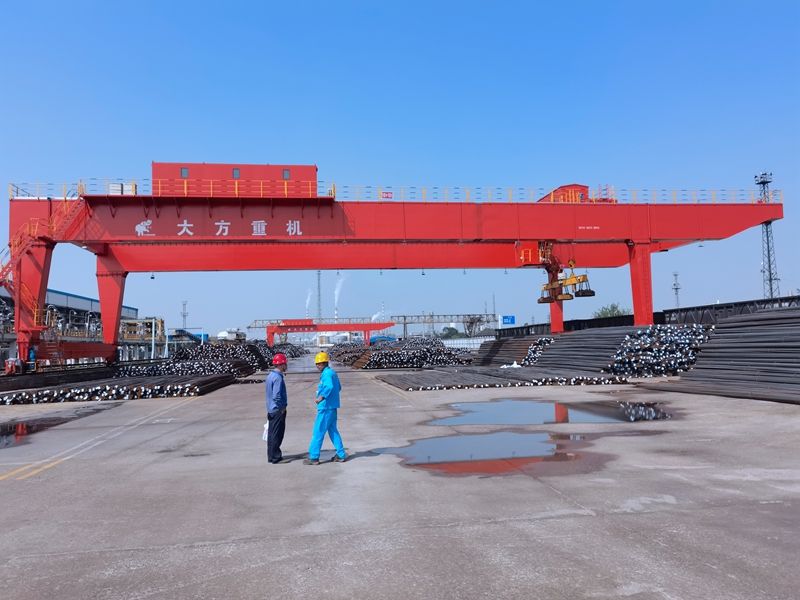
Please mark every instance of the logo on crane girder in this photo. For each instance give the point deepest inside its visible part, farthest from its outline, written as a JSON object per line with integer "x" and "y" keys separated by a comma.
{"x": 185, "y": 228}
{"x": 293, "y": 228}
{"x": 259, "y": 227}
{"x": 223, "y": 227}
{"x": 143, "y": 228}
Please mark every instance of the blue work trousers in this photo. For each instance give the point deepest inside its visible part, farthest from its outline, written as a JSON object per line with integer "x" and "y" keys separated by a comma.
{"x": 325, "y": 423}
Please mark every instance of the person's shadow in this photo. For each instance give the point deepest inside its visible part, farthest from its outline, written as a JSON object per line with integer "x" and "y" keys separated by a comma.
{"x": 327, "y": 456}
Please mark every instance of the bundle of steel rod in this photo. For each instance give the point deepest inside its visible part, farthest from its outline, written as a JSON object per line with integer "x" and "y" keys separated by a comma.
{"x": 218, "y": 352}
{"x": 237, "y": 367}
{"x": 535, "y": 351}
{"x": 481, "y": 378}
{"x": 750, "y": 356}
{"x": 535, "y": 375}
{"x": 128, "y": 389}
{"x": 414, "y": 353}
{"x": 290, "y": 350}
{"x": 588, "y": 350}
{"x": 267, "y": 352}
{"x": 504, "y": 351}
{"x": 346, "y": 352}
{"x": 659, "y": 350}
{"x": 409, "y": 353}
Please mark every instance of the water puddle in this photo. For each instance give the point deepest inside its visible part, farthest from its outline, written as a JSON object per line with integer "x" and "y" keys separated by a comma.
{"x": 531, "y": 412}
{"x": 15, "y": 433}
{"x": 504, "y": 452}
{"x": 488, "y": 453}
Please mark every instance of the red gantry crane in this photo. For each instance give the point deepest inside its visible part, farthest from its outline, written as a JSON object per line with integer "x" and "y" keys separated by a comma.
{"x": 225, "y": 217}
{"x": 275, "y": 327}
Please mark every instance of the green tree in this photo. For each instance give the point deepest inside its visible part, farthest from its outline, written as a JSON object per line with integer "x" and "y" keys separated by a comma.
{"x": 611, "y": 310}
{"x": 450, "y": 333}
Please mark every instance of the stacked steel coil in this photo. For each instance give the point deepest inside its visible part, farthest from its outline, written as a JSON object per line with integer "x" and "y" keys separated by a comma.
{"x": 535, "y": 351}
{"x": 659, "y": 350}
{"x": 115, "y": 389}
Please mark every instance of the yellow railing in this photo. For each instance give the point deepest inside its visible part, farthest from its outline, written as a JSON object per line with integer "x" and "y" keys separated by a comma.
{"x": 239, "y": 188}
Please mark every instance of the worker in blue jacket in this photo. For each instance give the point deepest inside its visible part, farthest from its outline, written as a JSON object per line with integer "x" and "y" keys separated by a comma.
{"x": 276, "y": 408}
{"x": 327, "y": 408}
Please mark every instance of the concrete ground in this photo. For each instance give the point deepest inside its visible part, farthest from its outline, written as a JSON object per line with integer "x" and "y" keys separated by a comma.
{"x": 173, "y": 498}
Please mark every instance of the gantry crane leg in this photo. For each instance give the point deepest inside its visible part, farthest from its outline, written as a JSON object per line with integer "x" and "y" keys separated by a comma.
{"x": 641, "y": 283}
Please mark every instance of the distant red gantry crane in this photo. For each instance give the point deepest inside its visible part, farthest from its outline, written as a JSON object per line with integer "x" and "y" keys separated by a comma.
{"x": 284, "y": 326}
{"x": 226, "y": 217}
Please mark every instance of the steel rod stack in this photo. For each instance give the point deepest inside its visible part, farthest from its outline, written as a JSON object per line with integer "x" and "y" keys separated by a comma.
{"x": 411, "y": 353}
{"x": 267, "y": 351}
{"x": 504, "y": 351}
{"x": 218, "y": 352}
{"x": 258, "y": 355}
{"x": 127, "y": 389}
{"x": 347, "y": 352}
{"x": 416, "y": 353}
{"x": 750, "y": 356}
{"x": 236, "y": 367}
{"x": 585, "y": 351}
{"x": 535, "y": 351}
{"x": 472, "y": 377}
{"x": 659, "y": 350}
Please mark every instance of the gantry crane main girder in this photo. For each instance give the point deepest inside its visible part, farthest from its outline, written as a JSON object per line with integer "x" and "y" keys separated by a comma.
{"x": 203, "y": 233}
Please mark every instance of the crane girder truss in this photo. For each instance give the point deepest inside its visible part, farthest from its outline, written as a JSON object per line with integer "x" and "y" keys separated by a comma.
{"x": 148, "y": 234}
{"x": 283, "y": 326}
{"x": 471, "y": 322}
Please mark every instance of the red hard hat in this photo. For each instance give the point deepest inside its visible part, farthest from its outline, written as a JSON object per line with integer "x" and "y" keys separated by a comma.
{"x": 279, "y": 359}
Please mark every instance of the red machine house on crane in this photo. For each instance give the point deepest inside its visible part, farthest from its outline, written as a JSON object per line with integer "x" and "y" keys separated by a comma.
{"x": 212, "y": 217}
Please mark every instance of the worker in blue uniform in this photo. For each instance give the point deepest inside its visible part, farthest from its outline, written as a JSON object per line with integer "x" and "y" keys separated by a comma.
{"x": 327, "y": 400}
{"x": 277, "y": 401}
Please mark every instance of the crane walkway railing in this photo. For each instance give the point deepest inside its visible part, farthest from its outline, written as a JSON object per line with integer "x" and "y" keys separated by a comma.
{"x": 207, "y": 188}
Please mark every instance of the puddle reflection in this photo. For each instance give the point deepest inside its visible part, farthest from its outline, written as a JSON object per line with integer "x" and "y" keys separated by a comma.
{"x": 530, "y": 412}
{"x": 15, "y": 433}
{"x": 486, "y": 453}
{"x": 533, "y": 412}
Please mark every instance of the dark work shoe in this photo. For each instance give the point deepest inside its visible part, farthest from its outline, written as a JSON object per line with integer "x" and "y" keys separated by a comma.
{"x": 311, "y": 461}
{"x": 337, "y": 458}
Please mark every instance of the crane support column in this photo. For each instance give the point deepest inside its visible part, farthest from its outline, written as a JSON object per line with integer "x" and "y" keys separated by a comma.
{"x": 111, "y": 287}
{"x": 641, "y": 283}
{"x": 557, "y": 307}
{"x": 30, "y": 279}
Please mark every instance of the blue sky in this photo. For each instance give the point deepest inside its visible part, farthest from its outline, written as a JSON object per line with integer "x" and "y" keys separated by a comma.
{"x": 634, "y": 94}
